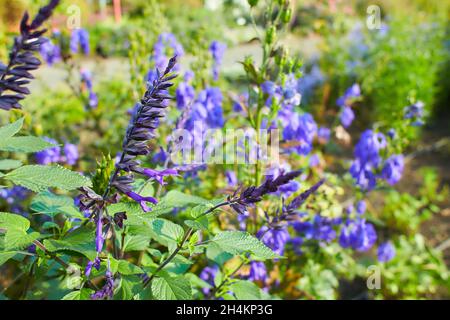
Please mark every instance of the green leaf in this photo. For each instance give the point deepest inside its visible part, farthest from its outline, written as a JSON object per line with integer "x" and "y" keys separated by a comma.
{"x": 25, "y": 144}
{"x": 199, "y": 224}
{"x": 165, "y": 231}
{"x": 246, "y": 290}
{"x": 217, "y": 254}
{"x": 5, "y": 256}
{"x": 80, "y": 240}
{"x": 172, "y": 288}
{"x": 128, "y": 288}
{"x": 124, "y": 267}
{"x": 11, "y": 129}
{"x": 178, "y": 265}
{"x": 231, "y": 243}
{"x": 15, "y": 239}
{"x": 9, "y": 164}
{"x": 137, "y": 242}
{"x": 176, "y": 198}
{"x": 12, "y": 221}
{"x": 83, "y": 294}
{"x": 38, "y": 178}
{"x": 16, "y": 227}
{"x": 52, "y": 204}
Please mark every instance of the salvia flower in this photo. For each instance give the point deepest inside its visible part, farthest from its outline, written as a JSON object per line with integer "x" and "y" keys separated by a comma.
{"x": 208, "y": 274}
{"x": 258, "y": 271}
{"x": 415, "y": 112}
{"x": 358, "y": 235}
{"x": 350, "y": 94}
{"x": 347, "y": 116}
{"x": 386, "y": 252}
{"x": 217, "y": 50}
{"x": 79, "y": 39}
{"x": 393, "y": 169}
{"x": 15, "y": 75}
{"x": 275, "y": 238}
{"x": 253, "y": 194}
{"x": 50, "y": 52}
{"x": 324, "y": 134}
{"x": 108, "y": 289}
{"x": 71, "y": 153}
{"x": 50, "y": 155}
{"x": 361, "y": 207}
{"x": 86, "y": 78}
{"x": 143, "y": 121}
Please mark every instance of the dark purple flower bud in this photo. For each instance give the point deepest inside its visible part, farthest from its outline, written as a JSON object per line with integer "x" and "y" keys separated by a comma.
{"x": 119, "y": 217}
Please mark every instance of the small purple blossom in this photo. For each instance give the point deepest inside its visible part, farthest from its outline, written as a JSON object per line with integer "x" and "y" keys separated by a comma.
{"x": 217, "y": 50}
{"x": 79, "y": 38}
{"x": 347, "y": 116}
{"x": 50, "y": 155}
{"x": 386, "y": 252}
{"x": 50, "y": 52}
{"x": 393, "y": 169}
{"x": 71, "y": 153}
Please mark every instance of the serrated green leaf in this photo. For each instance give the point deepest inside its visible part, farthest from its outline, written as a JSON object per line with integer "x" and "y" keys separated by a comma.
{"x": 11, "y": 129}
{"x": 15, "y": 239}
{"x": 52, "y": 204}
{"x": 124, "y": 267}
{"x": 5, "y": 256}
{"x": 25, "y": 144}
{"x": 165, "y": 231}
{"x": 217, "y": 254}
{"x": 246, "y": 290}
{"x": 199, "y": 224}
{"x": 178, "y": 265}
{"x": 176, "y": 198}
{"x": 9, "y": 164}
{"x": 80, "y": 240}
{"x": 128, "y": 288}
{"x": 235, "y": 243}
{"x": 83, "y": 294}
{"x": 172, "y": 288}
{"x": 16, "y": 227}
{"x": 10, "y": 221}
{"x": 38, "y": 178}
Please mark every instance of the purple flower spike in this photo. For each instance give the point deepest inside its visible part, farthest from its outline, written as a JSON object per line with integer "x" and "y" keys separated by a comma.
{"x": 99, "y": 240}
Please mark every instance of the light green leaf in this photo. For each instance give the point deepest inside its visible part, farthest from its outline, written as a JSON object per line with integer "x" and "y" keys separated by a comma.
{"x": 124, "y": 267}
{"x": 128, "y": 288}
{"x": 246, "y": 290}
{"x": 52, "y": 204}
{"x": 9, "y": 164}
{"x": 11, "y": 129}
{"x": 172, "y": 288}
{"x": 38, "y": 178}
{"x": 217, "y": 254}
{"x": 83, "y": 294}
{"x": 165, "y": 231}
{"x": 12, "y": 221}
{"x": 25, "y": 144}
{"x": 235, "y": 243}
{"x": 5, "y": 256}
{"x": 15, "y": 239}
{"x": 16, "y": 227}
{"x": 176, "y": 198}
{"x": 80, "y": 240}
